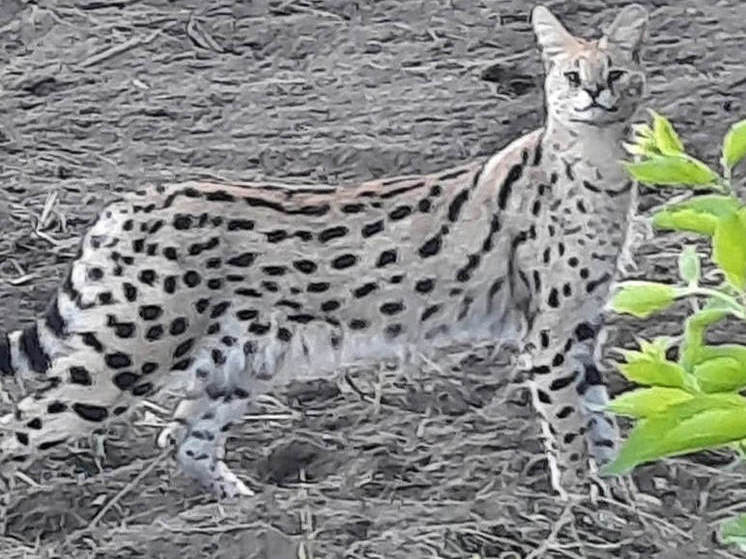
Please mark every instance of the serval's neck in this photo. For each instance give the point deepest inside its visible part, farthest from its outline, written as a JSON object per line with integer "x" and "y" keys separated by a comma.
{"x": 598, "y": 147}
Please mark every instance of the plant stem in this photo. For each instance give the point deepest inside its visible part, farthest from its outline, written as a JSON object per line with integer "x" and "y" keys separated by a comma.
{"x": 735, "y": 307}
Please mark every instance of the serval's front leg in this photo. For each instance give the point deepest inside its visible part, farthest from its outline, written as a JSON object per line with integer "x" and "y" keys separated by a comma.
{"x": 570, "y": 395}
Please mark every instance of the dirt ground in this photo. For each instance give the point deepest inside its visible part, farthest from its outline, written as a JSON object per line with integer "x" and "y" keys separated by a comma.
{"x": 99, "y": 96}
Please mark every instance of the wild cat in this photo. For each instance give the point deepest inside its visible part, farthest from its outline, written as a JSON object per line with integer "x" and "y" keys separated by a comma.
{"x": 242, "y": 286}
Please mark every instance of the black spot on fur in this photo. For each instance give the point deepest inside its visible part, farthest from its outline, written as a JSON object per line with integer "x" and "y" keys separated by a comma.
{"x": 584, "y": 331}
{"x": 154, "y": 333}
{"x": 149, "y": 368}
{"x": 365, "y": 289}
{"x": 130, "y": 292}
{"x": 123, "y": 381}
{"x": 178, "y": 326}
{"x": 242, "y": 260}
{"x": 562, "y": 382}
{"x": 393, "y": 330}
{"x": 592, "y": 285}
{"x": 332, "y": 233}
{"x": 431, "y": 247}
{"x": 118, "y": 360}
{"x": 400, "y": 213}
{"x": 352, "y": 208}
{"x": 95, "y": 273}
{"x": 392, "y": 307}
{"x": 183, "y": 348}
{"x": 143, "y": 389}
{"x": 34, "y": 424}
{"x": 270, "y": 286}
{"x": 220, "y": 196}
{"x": 80, "y": 375}
{"x": 386, "y": 257}
{"x": 150, "y": 312}
{"x": 454, "y": 208}
{"x": 507, "y": 186}
{"x": 424, "y": 285}
{"x": 553, "y": 299}
{"x": 305, "y": 266}
{"x": 328, "y": 306}
{"x": 317, "y": 287}
{"x": 56, "y": 407}
{"x": 90, "y": 412}
{"x": 201, "y": 305}
{"x": 274, "y": 270}
{"x": 121, "y": 329}
{"x": 147, "y": 277}
{"x": 169, "y": 284}
{"x": 429, "y": 312}
{"x": 219, "y": 309}
{"x": 218, "y": 357}
{"x": 344, "y": 261}
{"x": 90, "y": 339}
{"x": 358, "y": 324}
{"x": 464, "y": 274}
{"x": 372, "y": 228}
{"x": 544, "y": 339}
{"x": 258, "y": 328}
{"x": 247, "y": 314}
{"x": 182, "y": 222}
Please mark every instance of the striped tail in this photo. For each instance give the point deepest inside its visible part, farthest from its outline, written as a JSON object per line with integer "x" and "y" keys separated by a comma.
{"x": 22, "y": 352}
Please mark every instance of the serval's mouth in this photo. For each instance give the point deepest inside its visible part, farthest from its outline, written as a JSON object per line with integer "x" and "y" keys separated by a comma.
{"x": 595, "y": 105}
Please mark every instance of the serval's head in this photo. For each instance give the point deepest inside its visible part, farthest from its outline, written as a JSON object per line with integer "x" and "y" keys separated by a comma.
{"x": 592, "y": 82}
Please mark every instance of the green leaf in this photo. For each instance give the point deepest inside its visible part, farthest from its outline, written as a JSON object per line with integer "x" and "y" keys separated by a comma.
{"x": 717, "y": 205}
{"x": 685, "y": 220}
{"x": 672, "y": 170}
{"x": 729, "y": 248}
{"x": 689, "y": 268}
{"x": 733, "y": 531}
{"x": 698, "y": 214}
{"x": 642, "y": 298}
{"x": 651, "y": 372}
{"x": 666, "y": 139}
{"x": 721, "y": 374}
{"x": 704, "y": 421}
{"x": 694, "y": 333}
{"x": 733, "y": 351}
{"x": 644, "y": 402}
{"x": 734, "y": 144}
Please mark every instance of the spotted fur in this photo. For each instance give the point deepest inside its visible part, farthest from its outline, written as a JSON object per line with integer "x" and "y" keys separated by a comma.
{"x": 243, "y": 286}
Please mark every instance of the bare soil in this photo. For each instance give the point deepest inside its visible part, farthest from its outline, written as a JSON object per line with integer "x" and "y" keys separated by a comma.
{"x": 100, "y": 96}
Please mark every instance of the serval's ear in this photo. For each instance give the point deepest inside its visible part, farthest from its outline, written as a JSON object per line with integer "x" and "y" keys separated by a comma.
{"x": 628, "y": 31}
{"x": 552, "y": 37}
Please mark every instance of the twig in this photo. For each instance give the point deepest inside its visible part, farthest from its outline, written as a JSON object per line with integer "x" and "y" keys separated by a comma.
{"x": 126, "y": 489}
{"x": 119, "y": 49}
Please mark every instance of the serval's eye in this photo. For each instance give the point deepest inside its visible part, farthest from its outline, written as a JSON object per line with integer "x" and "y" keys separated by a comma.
{"x": 614, "y": 75}
{"x": 573, "y": 78}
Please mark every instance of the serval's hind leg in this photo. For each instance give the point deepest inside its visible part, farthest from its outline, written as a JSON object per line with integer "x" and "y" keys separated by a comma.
{"x": 217, "y": 396}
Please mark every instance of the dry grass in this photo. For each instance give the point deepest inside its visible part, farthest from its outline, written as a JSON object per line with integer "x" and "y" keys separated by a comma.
{"x": 102, "y": 95}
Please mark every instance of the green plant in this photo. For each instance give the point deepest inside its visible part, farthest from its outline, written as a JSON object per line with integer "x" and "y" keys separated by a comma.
{"x": 694, "y": 402}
